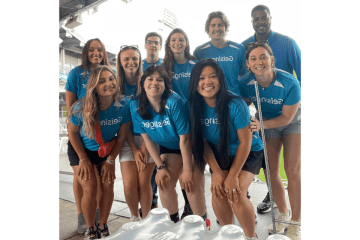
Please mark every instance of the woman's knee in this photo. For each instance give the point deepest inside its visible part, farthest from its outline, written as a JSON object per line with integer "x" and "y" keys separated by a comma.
{"x": 89, "y": 187}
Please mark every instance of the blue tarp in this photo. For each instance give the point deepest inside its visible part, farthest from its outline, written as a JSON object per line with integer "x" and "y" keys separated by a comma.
{"x": 63, "y": 77}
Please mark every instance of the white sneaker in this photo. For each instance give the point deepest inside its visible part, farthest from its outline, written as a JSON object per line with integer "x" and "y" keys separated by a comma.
{"x": 280, "y": 227}
{"x": 252, "y": 238}
{"x": 294, "y": 231}
{"x": 135, "y": 219}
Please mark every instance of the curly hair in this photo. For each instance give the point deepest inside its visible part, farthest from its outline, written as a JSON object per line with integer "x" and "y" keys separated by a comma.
{"x": 89, "y": 108}
{"x": 168, "y": 61}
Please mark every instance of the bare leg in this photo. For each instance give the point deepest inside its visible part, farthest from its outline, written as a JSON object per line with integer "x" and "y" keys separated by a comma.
{"x": 168, "y": 195}
{"x": 88, "y": 201}
{"x": 78, "y": 193}
{"x": 222, "y": 208}
{"x": 145, "y": 190}
{"x": 274, "y": 149}
{"x": 197, "y": 196}
{"x": 106, "y": 199}
{"x": 243, "y": 209}
{"x": 292, "y": 165}
{"x": 129, "y": 174}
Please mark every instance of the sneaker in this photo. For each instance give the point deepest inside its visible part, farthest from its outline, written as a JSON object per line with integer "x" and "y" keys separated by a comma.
{"x": 103, "y": 231}
{"x": 152, "y": 207}
{"x": 280, "y": 227}
{"x": 135, "y": 219}
{"x": 294, "y": 231}
{"x": 91, "y": 234}
{"x": 248, "y": 195}
{"x": 81, "y": 223}
{"x": 187, "y": 211}
{"x": 252, "y": 238}
{"x": 264, "y": 206}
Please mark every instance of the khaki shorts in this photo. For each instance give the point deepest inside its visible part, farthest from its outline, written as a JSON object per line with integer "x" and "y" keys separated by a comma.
{"x": 127, "y": 155}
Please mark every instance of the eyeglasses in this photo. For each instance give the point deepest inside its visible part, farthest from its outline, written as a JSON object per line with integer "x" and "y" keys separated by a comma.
{"x": 134, "y": 47}
{"x": 152, "y": 42}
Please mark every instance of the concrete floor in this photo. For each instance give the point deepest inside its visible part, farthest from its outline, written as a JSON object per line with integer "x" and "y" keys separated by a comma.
{"x": 120, "y": 212}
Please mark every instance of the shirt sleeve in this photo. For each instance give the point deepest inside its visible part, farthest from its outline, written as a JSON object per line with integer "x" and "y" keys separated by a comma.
{"x": 76, "y": 117}
{"x": 294, "y": 93}
{"x": 136, "y": 118}
{"x": 126, "y": 111}
{"x": 241, "y": 113}
{"x": 180, "y": 117}
{"x": 295, "y": 59}
{"x": 242, "y": 61}
{"x": 72, "y": 80}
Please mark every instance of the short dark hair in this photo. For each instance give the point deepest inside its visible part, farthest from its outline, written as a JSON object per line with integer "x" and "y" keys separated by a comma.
{"x": 251, "y": 46}
{"x": 144, "y": 104}
{"x": 217, "y": 14}
{"x": 153, "y": 34}
{"x": 260, "y": 7}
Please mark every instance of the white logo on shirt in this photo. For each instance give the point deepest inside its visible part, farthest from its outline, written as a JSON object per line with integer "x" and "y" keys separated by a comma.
{"x": 111, "y": 121}
{"x": 155, "y": 124}
{"x": 223, "y": 59}
{"x": 181, "y": 75}
{"x": 84, "y": 86}
{"x": 270, "y": 101}
{"x": 208, "y": 121}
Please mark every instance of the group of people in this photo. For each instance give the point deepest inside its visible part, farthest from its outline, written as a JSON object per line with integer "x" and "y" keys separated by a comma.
{"x": 167, "y": 118}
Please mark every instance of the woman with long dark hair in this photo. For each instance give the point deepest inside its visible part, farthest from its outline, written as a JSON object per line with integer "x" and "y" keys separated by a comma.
{"x": 97, "y": 129}
{"x": 280, "y": 104}
{"x": 221, "y": 137}
{"x": 135, "y": 163}
{"x": 160, "y": 116}
{"x": 93, "y": 55}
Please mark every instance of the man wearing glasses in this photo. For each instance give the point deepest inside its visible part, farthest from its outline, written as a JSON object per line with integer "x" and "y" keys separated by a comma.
{"x": 153, "y": 45}
{"x": 286, "y": 51}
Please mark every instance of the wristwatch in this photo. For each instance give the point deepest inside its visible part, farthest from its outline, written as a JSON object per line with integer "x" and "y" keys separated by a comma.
{"x": 161, "y": 167}
{"x": 110, "y": 161}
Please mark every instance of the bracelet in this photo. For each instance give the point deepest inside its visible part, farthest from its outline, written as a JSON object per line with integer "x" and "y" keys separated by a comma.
{"x": 161, "y": 167}
{"x": 110, "y": 161}
{"x": 84, "y": 160}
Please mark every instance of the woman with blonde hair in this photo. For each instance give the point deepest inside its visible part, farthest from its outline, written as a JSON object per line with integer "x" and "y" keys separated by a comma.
{"x": 135, "y": 163}
{"x": 93, "y": 55}
{"x": 97, "y": 128}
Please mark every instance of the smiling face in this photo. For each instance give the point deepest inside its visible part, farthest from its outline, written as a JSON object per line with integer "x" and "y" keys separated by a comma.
{"x": 217, "y": 30}
{"x": 208, "y": 85}
{"x": 261, "y": 21}
{"x": 154, "y": 85}
{"x": 106, "y": 85}
{"x": 130, "y": 61}
{"x": 152, "y": 45}
{"x": 95, "y": 53}
{"x": 177, "y": 43}
{"x": 260, "y": 61}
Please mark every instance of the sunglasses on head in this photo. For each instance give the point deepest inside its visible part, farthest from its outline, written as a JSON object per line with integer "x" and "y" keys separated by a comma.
{"x": 255, "y": 44}
{"x": 134, "y": 47}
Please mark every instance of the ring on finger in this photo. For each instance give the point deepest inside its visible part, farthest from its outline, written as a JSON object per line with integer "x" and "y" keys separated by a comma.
{"x": 234, "y": 190}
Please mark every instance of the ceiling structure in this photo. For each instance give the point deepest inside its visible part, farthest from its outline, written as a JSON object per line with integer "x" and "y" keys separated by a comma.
{"x": 69, "y": 9}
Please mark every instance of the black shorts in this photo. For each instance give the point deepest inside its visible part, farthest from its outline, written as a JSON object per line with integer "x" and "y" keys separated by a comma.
{"x": 92, "y": 155}
{"x": 252, "y": 164}
{"x": 164, "y": 150}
